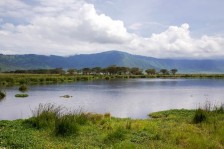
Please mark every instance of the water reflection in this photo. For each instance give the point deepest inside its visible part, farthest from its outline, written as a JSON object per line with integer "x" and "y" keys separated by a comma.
{"x": 133, "y": 98}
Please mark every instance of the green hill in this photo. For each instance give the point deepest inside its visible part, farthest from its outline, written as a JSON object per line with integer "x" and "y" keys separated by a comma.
{"x": 105, "y": 59}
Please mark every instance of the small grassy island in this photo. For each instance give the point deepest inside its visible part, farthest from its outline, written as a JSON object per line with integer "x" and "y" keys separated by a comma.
{"x": 173, "y": 129}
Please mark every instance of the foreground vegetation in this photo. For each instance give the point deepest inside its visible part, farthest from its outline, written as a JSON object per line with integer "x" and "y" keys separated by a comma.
{"x": 50, "y": 127}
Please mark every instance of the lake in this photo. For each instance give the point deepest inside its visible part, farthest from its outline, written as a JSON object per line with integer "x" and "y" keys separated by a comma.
{"x": 134, "y": 98}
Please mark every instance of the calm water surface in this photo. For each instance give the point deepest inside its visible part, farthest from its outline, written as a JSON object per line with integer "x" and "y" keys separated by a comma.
{"x": 133, "y": 98}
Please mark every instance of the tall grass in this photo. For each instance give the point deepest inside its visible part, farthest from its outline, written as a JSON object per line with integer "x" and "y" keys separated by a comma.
{"x": 58, "y": 119}
{"x": 207, "y": 111}
{"x": 66, "y": 125}
{"x": 44, "y": 116}
{"x": 200, "y": 116}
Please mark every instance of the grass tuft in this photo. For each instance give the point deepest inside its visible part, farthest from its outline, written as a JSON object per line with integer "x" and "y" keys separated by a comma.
{"x": 66, "y": 125}
{"x": 200, "y": 116}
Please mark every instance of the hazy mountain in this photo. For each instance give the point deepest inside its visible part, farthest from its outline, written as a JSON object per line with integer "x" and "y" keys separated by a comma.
{"x": 105, "y": 59}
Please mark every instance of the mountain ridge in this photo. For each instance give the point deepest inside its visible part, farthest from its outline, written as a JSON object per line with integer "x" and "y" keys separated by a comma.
{"x": 105, "y": 59}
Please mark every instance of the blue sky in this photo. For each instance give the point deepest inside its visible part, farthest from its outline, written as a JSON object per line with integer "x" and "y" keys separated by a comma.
{"x": 156, "y": 28}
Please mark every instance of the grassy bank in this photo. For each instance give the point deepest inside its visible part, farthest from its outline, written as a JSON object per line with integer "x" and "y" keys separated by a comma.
{"x": 20, "y": 79}
{"x": 172, "y": 129}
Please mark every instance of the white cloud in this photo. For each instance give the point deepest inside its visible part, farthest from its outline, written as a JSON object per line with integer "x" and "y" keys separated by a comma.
{"x": 135, "y": 26}
{"x": 68, "y": 27}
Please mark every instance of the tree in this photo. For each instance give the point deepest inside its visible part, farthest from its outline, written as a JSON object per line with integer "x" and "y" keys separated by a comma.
{"x": 112, "y": 69}
{"x": 135, "y": 71}
{"x": 58, "y": 71}
{"x": 71, "y": 71}
{"x": 173, "y": 71}
{"x": 150, "y": 71}
{"x": 86, "y": 71}
{"x": 164, "y": 71}
{"x": 97, "y": 70}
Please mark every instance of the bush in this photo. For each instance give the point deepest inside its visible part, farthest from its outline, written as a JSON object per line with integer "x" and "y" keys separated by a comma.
{"x": 107, "y": 115}
{"x": 81, "y": 118}
{"x": 44, "y": 116}
{"x": 66, "y": 125}
{"x": 21, "y": 95}
{"x": 200, "y": 116}
{"x": 52, "y": 117}
{"x": 117, "y": 135}
{"x": 23, "y": 88}
{"x": 2, "y": 95}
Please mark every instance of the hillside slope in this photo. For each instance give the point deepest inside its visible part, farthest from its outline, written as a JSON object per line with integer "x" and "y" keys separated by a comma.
{"x": 105, "y": 59}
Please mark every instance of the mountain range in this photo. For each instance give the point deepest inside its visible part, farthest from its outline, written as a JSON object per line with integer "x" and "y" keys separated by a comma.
{"x": 105, "y": 59}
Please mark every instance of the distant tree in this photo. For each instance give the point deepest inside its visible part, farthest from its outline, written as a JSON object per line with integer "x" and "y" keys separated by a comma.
{"x": 150, "y": 71}
{"x": 135, "y": 71}
{"x": 71, "y": 71}
{"x": 96, "y": 70}
{"x": 58, "y": 71}
{"x": 164, "y": 71}
{"x": 173, "y": 71}
{"x": 112, "y": 69}
{"x": 86, "y": 71}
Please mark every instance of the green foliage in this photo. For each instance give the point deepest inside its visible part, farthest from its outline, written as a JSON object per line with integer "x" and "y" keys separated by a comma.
{"x": 21, "y": 95}
{"x": 23, "y": 88}
{"x": 164, "y": 71}
{"x": 173, "y": 71}
{"x": 117, "y": 135}
{"x": 150, "y": 71}
{"x": 171, "y": 129}
{"x": 66, "y": 125}
{"x": 2, "y": 95}
{"x": 44, "y": 116}
{"x": 200, "y": 116}
{"x": 52, "y": 117}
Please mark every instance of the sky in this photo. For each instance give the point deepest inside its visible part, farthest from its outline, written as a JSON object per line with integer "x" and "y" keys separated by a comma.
{"x": 191, "y": 29}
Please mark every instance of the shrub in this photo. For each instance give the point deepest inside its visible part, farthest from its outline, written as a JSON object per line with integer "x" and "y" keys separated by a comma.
{"x": 21, "y": 95}
{"x": 44, "y": 116}
{"x": 49, "y": 116}
{"x": 107, "y": 115}
{"x": 81, "y": 118}
{"x": 2, "y": 95}
{"x": 23, "y": 88}
{"x": 107, "y": 78}
{"x": 66, "y": 125}
{"x": 200, "y": 116}
{"x": 128, "y": 125}
{"x": 117, "y": 135}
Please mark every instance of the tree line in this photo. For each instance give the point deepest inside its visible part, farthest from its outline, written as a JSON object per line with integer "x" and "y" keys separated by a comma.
{"x": 111, "y": 70}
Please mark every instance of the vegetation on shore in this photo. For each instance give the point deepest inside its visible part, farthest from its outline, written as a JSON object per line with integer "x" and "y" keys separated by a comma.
{"x": 30, "y": 79}
{"x": 21, "y": 95}
{"x": 50, "y": 127}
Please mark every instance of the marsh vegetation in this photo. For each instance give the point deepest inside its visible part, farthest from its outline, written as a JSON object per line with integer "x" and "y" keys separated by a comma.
{"x": 56, "y": 127}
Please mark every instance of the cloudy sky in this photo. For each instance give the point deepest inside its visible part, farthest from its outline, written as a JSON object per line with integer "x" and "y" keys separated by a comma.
{"x": 156, "y": 28}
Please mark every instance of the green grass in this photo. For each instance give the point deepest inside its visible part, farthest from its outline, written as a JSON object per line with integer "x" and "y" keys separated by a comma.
{"x": 21, "y": 95}
{"x": 172, "y": 129}
{"x": 29, "y": 79}
{"x": 2, "y": 95}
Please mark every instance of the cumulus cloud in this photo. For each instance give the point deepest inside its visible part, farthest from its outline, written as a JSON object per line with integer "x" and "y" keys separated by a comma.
{"x": 69, "y": 27}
